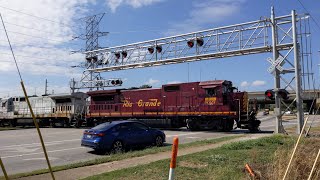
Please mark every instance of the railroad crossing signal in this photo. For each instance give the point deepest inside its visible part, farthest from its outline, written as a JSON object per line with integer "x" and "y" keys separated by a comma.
{"x": 277, "y": 64}
{"x": 269, "y": 94}
{"x": 282, "y": 93}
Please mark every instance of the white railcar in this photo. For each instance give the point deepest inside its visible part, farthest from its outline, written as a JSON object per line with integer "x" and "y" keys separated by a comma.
{"x": 57, "y": 109}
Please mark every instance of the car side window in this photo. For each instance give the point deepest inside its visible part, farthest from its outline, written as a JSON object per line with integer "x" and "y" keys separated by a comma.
{"x": 116, "y": 128}
{"x": 140, "y": 126}
{"x": 123, "y": 127}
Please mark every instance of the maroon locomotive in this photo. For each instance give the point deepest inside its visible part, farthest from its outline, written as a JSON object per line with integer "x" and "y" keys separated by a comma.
{"x": 196, "y": 105}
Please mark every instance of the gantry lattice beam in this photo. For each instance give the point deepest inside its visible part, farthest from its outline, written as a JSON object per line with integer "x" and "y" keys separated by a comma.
{"x": 235, "y": 40}
{"x": 284, "y": 36}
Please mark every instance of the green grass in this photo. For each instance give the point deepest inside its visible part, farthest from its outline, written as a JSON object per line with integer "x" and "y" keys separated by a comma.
{"x": 131, "y": 154}
{"x": 226, "y": 162}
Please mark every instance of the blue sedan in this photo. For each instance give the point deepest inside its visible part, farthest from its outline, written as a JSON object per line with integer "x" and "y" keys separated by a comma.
{"x": 116, "y": 136}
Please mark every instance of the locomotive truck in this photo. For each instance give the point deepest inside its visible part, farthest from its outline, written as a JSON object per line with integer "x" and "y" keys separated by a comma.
{"x": 195, "y": 105}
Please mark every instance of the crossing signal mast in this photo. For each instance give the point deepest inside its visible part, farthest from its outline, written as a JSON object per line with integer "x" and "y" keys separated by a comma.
{"x": 91, "y": 79}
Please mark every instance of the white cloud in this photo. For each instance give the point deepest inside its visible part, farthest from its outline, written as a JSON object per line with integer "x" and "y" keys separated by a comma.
{"x": 174, "y": 82}
{"x": 152, "y": 81}
{"x": 245, "y": 84}
{"x": 40, "y": 45}
{"x": 114, "y": 4}
{"x": 258, "y": 83}
{"x": 206, "y": 12}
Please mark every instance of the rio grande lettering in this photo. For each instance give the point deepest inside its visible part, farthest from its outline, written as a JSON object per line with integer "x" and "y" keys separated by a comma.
{"x": 127, "y": 103}
{"x": 150, "y": 103}
{"x": 141, "y": 103}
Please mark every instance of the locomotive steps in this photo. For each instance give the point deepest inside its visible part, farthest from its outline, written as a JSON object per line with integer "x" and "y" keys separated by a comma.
{"x": 137, "y": 158}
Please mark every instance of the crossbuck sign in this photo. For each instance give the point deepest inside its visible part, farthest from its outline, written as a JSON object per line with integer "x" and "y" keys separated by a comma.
{"x": 277, "y": 64}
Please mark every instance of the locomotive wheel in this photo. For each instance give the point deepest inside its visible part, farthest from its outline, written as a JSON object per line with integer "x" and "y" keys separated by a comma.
{"x": 220, "y": 126}
{"x": 192, "y": 125}
{"x": 13, "y": 123}
{"x": 229, "y": 125}
{"x": 77, "y": 124}
{"x": 52, "y": 124}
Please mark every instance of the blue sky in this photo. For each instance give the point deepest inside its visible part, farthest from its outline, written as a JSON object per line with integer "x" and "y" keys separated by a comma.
{"x": 45, "y": 52}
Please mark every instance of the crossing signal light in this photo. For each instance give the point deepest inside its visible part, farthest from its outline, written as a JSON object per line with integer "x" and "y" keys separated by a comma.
{"x": 200, "y": 41}
{"x": 117, "y": 55}
{"x": 159, "y": 49}
{"x": 116, "y": 82}
{"x": 124, "y": 54}
{"x": 92, "y": 58}
{"x": 190, "y": 43}
{"x": 151, "y": 50}
{"x": 269, "y": 94}
{"x": 284, "y": 94}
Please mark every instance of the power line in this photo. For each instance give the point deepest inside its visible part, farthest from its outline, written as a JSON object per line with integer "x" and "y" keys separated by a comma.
{"x": 39, "y": 37}
{"x": 27, "y": 27}
{"x": 37, "y": 63}
{"x": 38, "y": 17}
{"x": 23, "y": 43}
{"x": 309, "y": 13}
{"x": 33, "y": 57}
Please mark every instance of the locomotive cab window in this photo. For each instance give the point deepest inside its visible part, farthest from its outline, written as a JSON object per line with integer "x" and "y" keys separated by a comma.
{"x": 171, "y": 88}
{"x": 210, "y": 92}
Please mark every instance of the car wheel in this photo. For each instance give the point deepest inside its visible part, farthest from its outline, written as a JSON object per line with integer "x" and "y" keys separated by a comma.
{"x": 159, "y": 141}
{"x": 117, "y": 147}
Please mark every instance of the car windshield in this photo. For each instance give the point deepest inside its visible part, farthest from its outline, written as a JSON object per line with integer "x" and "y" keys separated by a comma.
{"x": 103, "y": 126}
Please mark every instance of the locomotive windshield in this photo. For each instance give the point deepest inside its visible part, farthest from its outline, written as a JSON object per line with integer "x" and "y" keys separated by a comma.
{"x": 210, "y": 92}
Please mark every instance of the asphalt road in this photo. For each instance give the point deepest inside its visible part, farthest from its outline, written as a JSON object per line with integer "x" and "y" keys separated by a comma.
{"x": 21, "y": 151}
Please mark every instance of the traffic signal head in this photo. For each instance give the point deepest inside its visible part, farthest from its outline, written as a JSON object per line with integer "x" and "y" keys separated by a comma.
{"x": 116, "y": 82}
{"x": 117, "y": 54}
{"x": 159, "y": 49}
{"x": 151, "y": 50}
{"x": 269, "y": 94}
{"x": 190, "y": 43}
{"x": 283, "y": 94}
{"x": 199, "y": 41}
{"x": 124, "y": 54}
